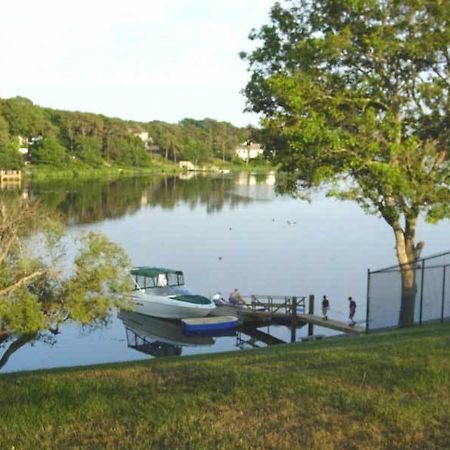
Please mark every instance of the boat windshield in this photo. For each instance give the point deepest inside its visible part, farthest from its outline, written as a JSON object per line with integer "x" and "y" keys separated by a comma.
{"x": 160, "y": 280}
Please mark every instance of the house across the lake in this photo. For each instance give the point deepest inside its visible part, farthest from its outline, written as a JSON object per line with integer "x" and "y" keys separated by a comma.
{"x": 25, "y": 143}
{"x": 247, "y": 151}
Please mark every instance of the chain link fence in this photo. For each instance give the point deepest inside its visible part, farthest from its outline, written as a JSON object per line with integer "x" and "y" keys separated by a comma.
{"x": 432, "y": 293}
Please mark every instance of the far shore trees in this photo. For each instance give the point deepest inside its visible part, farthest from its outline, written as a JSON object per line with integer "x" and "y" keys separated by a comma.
{"x": 355, "y": 95}
{"x": 68, "y": 139}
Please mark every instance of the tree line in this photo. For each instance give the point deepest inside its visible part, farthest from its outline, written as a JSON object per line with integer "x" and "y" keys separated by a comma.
{"x": 59, "y": 138}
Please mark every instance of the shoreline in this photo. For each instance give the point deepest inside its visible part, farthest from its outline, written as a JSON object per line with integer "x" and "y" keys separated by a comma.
{"x": 39, "y": 173}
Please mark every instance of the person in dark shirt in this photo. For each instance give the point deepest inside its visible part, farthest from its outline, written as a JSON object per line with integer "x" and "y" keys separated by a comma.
{"x": 352, "y": 310}
{"x": 325, "y": 307}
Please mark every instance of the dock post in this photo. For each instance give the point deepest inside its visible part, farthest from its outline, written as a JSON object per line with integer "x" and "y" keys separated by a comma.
{"x": 421, "y": 292}
{"x": 311, "y": 311}
{"x": 368, "y": 301}
{"x": 294, "y": 319}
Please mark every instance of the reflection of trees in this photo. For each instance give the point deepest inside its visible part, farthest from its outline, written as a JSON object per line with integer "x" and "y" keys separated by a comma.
{"x": 88, "y": 201}
{"x": 213, "y": 192}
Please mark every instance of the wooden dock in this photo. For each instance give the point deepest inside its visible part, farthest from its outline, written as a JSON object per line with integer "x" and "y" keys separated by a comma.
{"x": 10, "y": 178}
{"x": 330, "y": 323}
{"x": 288, "y": 310}
{"x": 10, "y": 175}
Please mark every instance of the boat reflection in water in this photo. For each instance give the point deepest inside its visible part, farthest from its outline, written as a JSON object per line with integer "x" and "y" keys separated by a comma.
{"x": 158, "y": 337}
{"x": 164, "y": 337}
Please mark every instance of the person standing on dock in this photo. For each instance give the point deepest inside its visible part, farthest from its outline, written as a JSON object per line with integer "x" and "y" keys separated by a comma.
{"x": 235, "y": 298}
{"x": 352, "y": 307}
{"x": 325, "y": 307}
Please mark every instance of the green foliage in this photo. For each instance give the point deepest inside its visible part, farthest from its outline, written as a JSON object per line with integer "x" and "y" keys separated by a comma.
{"x": 38, "y": 292}
{"x": 387, "y": 390}
{"x": 49, "y": 152}
{"x": 98, "y": 281}
{"x": 166, "y": 137}
{"x": 195, "y": 151}
{"x": 197, "y": 140}
{"x": 88, "y": 149}
{"x": 356, "y": 94}
{"x": 4, "y": 133}
{"x": 25, "y": 119}
{"x": 128, "y": 150}
{"x": 10, "y": 158}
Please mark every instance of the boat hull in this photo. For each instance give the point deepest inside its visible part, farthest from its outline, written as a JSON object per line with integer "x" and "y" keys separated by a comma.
{"x": 167, "y": 308}
{"x": 210, "y": 324}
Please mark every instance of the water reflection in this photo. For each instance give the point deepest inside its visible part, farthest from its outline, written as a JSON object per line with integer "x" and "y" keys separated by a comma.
{"x": 89, "y": 201}
{"x": 158, "y": 337}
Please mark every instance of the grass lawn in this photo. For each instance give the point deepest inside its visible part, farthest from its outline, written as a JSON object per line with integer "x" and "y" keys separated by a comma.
{"x": 389, "y": 390}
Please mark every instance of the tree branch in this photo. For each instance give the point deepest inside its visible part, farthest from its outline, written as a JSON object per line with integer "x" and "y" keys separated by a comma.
{"x": 7, "y": 247}
{"x": 440, "y": 158}
{"x": 24, "y": 280}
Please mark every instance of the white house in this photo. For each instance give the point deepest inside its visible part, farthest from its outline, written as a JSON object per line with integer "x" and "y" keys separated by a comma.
{"x": 248, "y": 151}
{"x": 23, "y": 145}
{"x": 145, "y": 138}
{"x": 187, "y": 165}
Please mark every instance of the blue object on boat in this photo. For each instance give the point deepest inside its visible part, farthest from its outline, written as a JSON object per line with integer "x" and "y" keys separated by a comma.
{"x": 210, "y": 323}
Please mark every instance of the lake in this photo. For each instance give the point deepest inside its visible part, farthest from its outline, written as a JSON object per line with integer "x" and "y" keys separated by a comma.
{"x": 224, "y": 232}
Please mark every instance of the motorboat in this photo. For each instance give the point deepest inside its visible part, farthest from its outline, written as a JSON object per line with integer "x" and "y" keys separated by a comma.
{"x": 160, "y": 292}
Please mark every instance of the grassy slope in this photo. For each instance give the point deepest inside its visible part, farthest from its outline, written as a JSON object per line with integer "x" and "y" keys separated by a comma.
{"x": 389, "y": 390}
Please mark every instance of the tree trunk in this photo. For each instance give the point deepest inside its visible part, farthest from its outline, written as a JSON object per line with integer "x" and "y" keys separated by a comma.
{"x": 174, "y": 154}
{"x": 409, "y": 290}
{"x": 14, "y": 346}
{"x": 407, "y": 255}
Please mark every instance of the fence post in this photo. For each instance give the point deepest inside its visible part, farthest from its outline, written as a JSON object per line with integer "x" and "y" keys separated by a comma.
{"x": 421, "y": 291}
{"x": 368, "y": 301}
{"x": 443, "y": 294}
{"x": 311, "y": 311}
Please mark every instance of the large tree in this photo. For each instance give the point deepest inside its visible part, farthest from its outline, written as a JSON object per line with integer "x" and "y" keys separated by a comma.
{"x": 354, "y": 94}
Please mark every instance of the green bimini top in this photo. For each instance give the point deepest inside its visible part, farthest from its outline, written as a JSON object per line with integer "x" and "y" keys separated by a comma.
{"x": 145, "y": 271}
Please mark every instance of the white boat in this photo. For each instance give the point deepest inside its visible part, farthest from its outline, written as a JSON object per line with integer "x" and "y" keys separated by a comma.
{"x": 161, "y": 292}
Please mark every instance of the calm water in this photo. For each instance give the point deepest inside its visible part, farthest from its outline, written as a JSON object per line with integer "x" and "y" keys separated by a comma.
{"x": 223, "y": 232}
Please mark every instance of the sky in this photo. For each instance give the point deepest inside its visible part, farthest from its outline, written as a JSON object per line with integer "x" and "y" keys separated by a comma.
{"x": 133, "y": 59}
